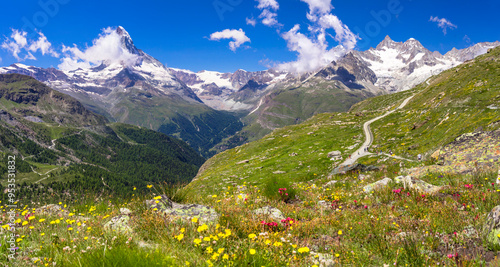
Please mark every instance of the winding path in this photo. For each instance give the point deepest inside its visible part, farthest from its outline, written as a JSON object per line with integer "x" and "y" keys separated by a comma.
{"x": 362, "y": 151}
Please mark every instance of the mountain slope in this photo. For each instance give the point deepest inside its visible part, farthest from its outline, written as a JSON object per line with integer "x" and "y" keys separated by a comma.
{"x": 458, "y": 101}
{"x": 58, "y": 142}
{"x": 140, "y": 91}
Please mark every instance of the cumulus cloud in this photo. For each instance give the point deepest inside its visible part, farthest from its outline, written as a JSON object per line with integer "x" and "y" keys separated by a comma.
{"x": 313, "y": 53}
{"x": 107, "y": 48}
{"x": 312, "y": 48}
{"x": 318, "y": 8}
{"x": 268, "y": 15}
{"x": 251, "y": 21}
{"x": 22, "y": 48}
{"x": 238, "y": 36}
{"x": 443, "y": 23}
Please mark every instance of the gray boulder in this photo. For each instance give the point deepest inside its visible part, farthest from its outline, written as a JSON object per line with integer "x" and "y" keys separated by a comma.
{"x": 420, "y": 186}
{"x": 119, "y": 224}
{"x": 491, "y": 228}
{"x": 185, "y": 212}
{"x": 377, "y": 185}
{"x": 271, "y": 212}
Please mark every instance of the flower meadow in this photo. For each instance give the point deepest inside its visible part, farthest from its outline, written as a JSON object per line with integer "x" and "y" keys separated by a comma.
{"x": 334, "y": 225}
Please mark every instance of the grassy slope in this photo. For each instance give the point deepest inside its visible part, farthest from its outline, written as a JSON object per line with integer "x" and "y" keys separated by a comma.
{"x": 453, "y": 103}
{"x": 294, "y": 105}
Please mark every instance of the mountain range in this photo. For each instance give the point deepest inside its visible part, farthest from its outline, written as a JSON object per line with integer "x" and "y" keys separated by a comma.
{"x": 214, "y": 111}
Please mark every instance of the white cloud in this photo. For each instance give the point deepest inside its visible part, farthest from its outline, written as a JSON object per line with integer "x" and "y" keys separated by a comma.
{"x": 268, "y": 15}
{"x": 313, "y": 53}
{"x": 313, "y": 50}
{"x": 239, "y": 37}
{"x": 272, "y": 4}
{"x": 43, "y": 45}
{"x": 106, "y": 48}
{"x": 318, "y": 8}
{"x": 443, "y": 23}
{"x": 269, "y": 18}
{"x": 343, "y": 34}
{"x": 251, "y": 21}
{"x": 18, "y": 44}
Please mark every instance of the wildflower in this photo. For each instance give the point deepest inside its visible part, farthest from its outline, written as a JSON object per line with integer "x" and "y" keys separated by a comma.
{"x": 70, "y": 229}
{"x": 197, "y": 241}
{"x": 157, "y": 198}
{"x": 42, "y": 234}
{"x": 340, "y": 232}
{"x": 41, "y": 220}
{"x": 149, "y": 186}
{"x": 220, "y": 250}
{"x": 252, "y": 236}
{"x": 195, "y": 219}
{"x": 337, "y": 255}
{"x": 25, "y": 223}
{"x": 134, "y": 188}
{"x": 202, "y": 228}
{"x": 179, "y": 237}
{"x": 303, "y": 250}
{"x": 85, "y": 238}
{"x": 277, "y": 244}
{"x": 225, "y": 257}
{"x": 206, "y": 239}
{"x": 252, "y": 251}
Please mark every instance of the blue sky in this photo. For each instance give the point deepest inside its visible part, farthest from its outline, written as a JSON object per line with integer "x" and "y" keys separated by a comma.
{"x": 190, "y": 34}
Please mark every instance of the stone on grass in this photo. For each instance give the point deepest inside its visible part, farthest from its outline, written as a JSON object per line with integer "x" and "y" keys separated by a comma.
{"x": 491, "y": 228}
{"x": 125, "y": 211}
{"x": 420, "y": 186}
{"x": 119, "y": 224}
{"x": 184, "y": 212}
{"x": 323, "y": 259}
{"x": 334, "y": 154}
{"x": 331, "y": 183}
{"x": 377, "y": 185}
{"x": 271, "y": 212}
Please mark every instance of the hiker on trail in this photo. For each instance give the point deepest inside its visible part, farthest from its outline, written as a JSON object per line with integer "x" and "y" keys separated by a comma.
{"x": 419, "y": 157}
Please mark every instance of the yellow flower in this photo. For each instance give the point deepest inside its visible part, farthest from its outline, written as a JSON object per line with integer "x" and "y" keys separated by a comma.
{"x": 210, "y": 250}
{"x": 214, "y": 196}
{"x": 157, "y": 198}
{"x": 19, "y": 240}
{"x": 41, "y": 220}
{"x": 17, "y": 221}
{"x": 71, "y": 214}
{"x": 85, "y": 238}
{"x": 202, "y": 228}
{"x": 149, "y": 186}
{"x": 220, "y": 250}
{"x": 252, "y": 236}
{"x": 277, "y": 244}
{"x": 180, "y": 237}
{"x": 70, "y": 229}
{"x": 24, "y": 213}
{"x": 58, "y": 221}
{"x": 303, "y": 250}
{"x": 228, "y": 233}
{"x": 183, "y": 230}
{"x": 225, "y": 257}
{"x": 206, "y": 239}
{"x": 31, "y": 218}
{"x": 134, "y": 188}
{"x": 267, "y": 242}
{"x": 252, "y": 251}
{"x": 337, "y": 255}
{"x": 340, "y": 232}
{"x": 195, "y": 219}
{"x": 25, "y": 223}
{"x": 42, "y": 234}
{"x": 197, "y": 241}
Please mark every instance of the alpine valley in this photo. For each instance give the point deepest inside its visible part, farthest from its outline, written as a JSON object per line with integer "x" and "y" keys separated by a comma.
{"x": 215, "y": 111}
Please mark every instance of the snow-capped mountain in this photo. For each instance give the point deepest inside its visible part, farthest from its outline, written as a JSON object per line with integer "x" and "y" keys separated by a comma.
{"x": 216, "y": 88}
{"x": 142, "y": 91}
{"x": 400, "y": 66}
